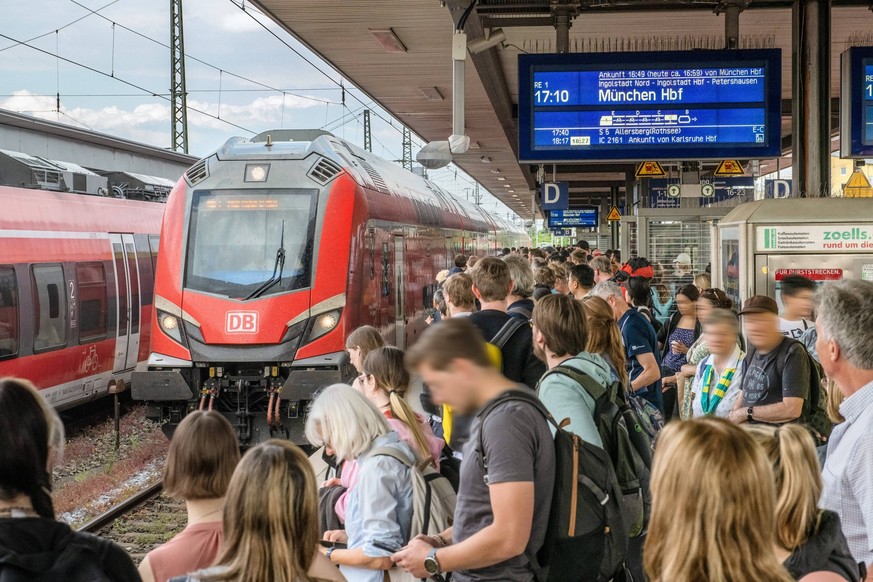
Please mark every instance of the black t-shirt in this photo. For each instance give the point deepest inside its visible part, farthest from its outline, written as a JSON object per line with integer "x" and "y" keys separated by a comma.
{"x": 519, "y": 362}
{"x": 762, "y": 383}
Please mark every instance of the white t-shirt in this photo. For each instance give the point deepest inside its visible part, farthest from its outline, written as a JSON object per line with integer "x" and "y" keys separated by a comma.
{"x": 793, "y": 328}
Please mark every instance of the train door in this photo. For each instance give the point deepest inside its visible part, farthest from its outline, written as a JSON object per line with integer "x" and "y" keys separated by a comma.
{"x": 128, "y": 302}
{"x": 399, "y": 293}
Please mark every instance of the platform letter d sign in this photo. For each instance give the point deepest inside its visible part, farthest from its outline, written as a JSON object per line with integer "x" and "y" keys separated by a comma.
{"x": 556, "y": 196}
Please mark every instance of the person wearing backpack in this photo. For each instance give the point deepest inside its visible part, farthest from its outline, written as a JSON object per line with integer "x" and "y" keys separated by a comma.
{"x": 502, "y": 512}
{"x": 380, "y": 510}
{"x": 492, "y": 284}
{"x": 776, "y": 382}
{"x": 519, "y": 300}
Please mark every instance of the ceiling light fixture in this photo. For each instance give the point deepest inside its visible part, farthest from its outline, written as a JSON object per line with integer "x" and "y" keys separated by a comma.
{"x": 501, "y": 178}
{"x": 388, "y": 39}
{"x": 485, "y": 160}
{"x": 507, "y": 185}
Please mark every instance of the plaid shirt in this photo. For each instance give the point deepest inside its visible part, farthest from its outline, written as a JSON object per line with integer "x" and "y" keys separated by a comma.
{"x": 848, "y": 473}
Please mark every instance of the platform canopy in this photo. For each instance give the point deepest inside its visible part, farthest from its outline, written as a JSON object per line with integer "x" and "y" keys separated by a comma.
{"x": 410, "y": 73}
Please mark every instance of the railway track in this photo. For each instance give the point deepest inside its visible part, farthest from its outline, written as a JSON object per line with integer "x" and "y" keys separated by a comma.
{"x": 109, "y": 516}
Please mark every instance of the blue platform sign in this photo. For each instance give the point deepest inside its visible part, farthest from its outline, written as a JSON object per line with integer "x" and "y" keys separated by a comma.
{"x": 556, "y": 195}
{"x": 777, "y": 188}
{"x": 856, "y": 103}
{"x": 586, "y": 217}
{"x": 725, "y": 189}
{"x": 697, "y": 105}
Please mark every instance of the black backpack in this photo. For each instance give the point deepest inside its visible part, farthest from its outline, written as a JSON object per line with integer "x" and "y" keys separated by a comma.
{"x": 625, "y": 440}
{"x": 586, "y": 537}
{"x": 815, "y": 415}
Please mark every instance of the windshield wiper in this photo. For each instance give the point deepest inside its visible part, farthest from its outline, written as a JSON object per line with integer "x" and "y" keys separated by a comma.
{"x": 278, "y": 267}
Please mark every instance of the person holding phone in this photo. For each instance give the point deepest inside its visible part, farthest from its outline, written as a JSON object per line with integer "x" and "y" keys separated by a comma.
{"x": 379, "y": 512}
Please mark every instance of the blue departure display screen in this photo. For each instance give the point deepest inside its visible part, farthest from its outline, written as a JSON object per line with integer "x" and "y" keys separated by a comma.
{"x": 856, "y": 103}
{"x": 578, "y": 217}
{"x": 650, "y": 106}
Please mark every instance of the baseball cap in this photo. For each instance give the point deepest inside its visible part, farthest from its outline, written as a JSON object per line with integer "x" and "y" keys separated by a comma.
{"x": 683, "y": 258}
{"x": 760, "y": 304}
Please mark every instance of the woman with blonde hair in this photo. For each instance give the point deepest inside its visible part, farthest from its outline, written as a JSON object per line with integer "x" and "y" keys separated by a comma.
{"x": 379, "y": 515}
{"x": 809, "y": 540}
{"x": 33, "y": 546}
{"x": 270, "y": 521}
{"x": 200, "y": 463}
{"x": 712, "y": 495}
{"x": 386, "y": 384}
{"x": 604, "y": 337}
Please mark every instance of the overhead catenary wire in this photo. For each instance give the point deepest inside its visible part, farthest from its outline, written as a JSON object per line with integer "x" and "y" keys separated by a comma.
{"x": 120, "y": 80}
{"x": 58, "y": 29}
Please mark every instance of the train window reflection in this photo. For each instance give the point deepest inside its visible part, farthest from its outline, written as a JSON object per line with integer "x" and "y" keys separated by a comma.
{"x": 235, "y": 238}
{"x": 8, "y": 313}
{"x": 50, "y": 307}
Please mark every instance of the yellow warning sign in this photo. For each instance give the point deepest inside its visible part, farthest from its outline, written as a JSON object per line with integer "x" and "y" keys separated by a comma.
{"x": 729, "y": 168}
{"x": 650, "y": 170}
{"x": 614, "y": 215}
{"x": 858, "y": 186}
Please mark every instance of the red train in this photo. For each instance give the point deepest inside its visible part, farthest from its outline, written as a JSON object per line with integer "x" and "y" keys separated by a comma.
{"x": 76, "y": 276}
{"x": 272, "y": 251}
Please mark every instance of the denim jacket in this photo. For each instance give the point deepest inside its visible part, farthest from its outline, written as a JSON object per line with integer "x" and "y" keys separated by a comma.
{"x": 380, "y": 506}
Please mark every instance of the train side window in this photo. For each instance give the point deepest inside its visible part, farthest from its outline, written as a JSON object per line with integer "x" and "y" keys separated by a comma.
{"x": 91, "y": 280}
{"x": 49, "y": 307}
{"x": 8, "y": 313}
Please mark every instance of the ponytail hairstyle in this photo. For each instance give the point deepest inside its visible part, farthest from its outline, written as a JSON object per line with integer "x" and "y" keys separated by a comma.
{"x": 604, "y": 337}
{"x": 31, "y": 439}
{"x": 791, "y": 452}
{"x": 389, "y": 372}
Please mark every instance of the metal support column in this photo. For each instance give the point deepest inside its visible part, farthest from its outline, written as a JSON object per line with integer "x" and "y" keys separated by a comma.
{"x": 178, "y": 93}
{"x": 732, "y": 26}
{"x": 562, "y": 28}
{"x": 613, "y": 225}
{"x": 811, "y": 107}
{"x": 407, "y": 149}
{"x": 368, "y": 136}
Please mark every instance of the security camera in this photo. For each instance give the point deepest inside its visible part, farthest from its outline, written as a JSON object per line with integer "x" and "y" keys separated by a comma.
{"x": 481, "y": 45}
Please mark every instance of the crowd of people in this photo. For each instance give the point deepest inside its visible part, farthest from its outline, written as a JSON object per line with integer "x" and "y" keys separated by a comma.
{"x": 756, "y": 424}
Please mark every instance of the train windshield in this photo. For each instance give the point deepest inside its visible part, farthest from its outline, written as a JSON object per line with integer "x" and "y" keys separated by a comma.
{"x": 235, "y": 237}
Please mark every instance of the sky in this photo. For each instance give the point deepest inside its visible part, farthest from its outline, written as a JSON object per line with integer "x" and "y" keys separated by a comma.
{"x": 241, "y": 79}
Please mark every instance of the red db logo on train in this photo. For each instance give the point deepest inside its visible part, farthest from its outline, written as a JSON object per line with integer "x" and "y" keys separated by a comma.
{"x": 242, "y": 322}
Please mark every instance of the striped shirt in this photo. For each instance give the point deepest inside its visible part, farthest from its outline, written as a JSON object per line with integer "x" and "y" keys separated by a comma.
{"x": 848, "y": 473}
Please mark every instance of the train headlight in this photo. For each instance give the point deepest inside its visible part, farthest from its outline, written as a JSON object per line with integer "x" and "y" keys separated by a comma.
{"x": 169, "y": 324}
{"x": 257, "y": 172}
{"x": 323, "y": 323}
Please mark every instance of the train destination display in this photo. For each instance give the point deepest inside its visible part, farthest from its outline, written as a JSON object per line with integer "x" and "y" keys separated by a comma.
{"x": 653, "y": 106}
{"x": 856, "y": 103}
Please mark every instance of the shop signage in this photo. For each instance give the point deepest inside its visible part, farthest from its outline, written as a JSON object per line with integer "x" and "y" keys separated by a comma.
{"x": 835, "y": 238}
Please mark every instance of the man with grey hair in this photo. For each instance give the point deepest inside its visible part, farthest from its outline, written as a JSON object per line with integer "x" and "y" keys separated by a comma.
{"x": 602, "y": 268}
{"x": 640, "y": 344}
{"x": 520, "y": 303}
{"x": 845, "y": 349}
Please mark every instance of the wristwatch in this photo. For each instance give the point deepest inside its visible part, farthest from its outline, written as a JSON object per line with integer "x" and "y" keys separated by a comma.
{"x": 431, "y": 564}
{"x": 749, "y": 414}
{"x": 329, "y": 552}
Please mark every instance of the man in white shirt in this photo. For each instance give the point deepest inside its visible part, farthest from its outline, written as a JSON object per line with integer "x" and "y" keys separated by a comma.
{"x": 845, "y": 318}
{"x": 798, "y": 295}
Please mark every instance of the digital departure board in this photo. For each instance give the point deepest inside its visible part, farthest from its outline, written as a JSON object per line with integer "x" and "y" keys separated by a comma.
{"x": 650, "y": 106}
{"x": 581, "y": 217}
{"x": 856, "y": 103}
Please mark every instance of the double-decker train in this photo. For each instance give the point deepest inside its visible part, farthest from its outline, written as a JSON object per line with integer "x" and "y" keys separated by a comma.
{"x": 274, "y": 249}
{"x": 76, "y": 276}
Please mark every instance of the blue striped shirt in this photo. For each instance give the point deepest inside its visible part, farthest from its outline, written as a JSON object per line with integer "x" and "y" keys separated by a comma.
{"x": 848, "y": 473}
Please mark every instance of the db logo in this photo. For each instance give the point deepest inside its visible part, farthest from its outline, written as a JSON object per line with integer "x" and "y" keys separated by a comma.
{"x": 242, "y": 322}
